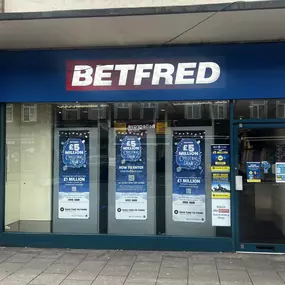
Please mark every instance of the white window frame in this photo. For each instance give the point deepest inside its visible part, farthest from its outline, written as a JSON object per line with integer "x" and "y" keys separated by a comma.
{"x": 148, "y": 105}
{"x": 280, "y": 103}
{"x": 10, "y": 107}
{"x": 192, "y": 106}
{"x": 70, "y": 110}
{"x": 218, "y": 106}
{"x": 29, "y": 107}
{"x": 123, "y": 105}
{"x": 255, "y": 104}
{"x": 101, "y": 113}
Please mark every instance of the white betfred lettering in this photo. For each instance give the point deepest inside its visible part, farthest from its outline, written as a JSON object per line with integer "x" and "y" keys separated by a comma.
{"x": 124, "y": 71}
{"x": 163, "y": 70}
{"x": 201, "y": 75}
{"x": 184, "y": 70}
{"x": 82, "y": 75}
{"x": 101, "y": 75}
{"x": 142, "y": 73}
{"x": 145, "y": 75}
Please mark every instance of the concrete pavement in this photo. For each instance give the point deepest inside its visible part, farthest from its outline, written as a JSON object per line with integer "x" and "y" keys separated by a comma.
{"x": 102, "y": 267}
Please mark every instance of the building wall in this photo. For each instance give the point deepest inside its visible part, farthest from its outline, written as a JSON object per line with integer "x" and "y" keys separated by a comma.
{"x": 57, "y": 5}
{"x": 29, "y": 167}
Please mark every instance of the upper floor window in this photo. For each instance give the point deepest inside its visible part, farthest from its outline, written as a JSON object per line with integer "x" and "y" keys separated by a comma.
{"x": 29, "y": 113}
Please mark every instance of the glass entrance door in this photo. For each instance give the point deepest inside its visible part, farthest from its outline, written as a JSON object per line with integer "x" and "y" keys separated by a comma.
{"x": 260, "y": 164}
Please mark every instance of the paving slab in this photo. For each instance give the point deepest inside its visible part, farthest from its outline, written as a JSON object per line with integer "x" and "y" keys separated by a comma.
{"x": 21, "y": 266}
{"x": 265, "y": 277}
{"x": 173, "y": 273}
{"x": 83, "y": 274}
{"x": 109, "y": 280}
{"x": 48, "y": 279}
{"x": 234, "y": 276}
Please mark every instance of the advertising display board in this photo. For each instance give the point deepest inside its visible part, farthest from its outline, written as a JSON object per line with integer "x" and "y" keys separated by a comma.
{"x": 73, "y": 197}
{"x": 188, "y": 197}
{"x": 131, "y": 176}
{"x": 253, "y": 171}
{"x": 221, "y": 188}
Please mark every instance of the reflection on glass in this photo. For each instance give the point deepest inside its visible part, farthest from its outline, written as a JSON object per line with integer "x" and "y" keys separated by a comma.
{"x": 259, "y": 109}
{"x": 29, "y": 171}
{"x": 261, "y": 209}
{"x": 125, "y": 138}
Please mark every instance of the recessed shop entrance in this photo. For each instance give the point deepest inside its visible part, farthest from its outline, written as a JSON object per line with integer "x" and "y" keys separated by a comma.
{"x": 260, "y": 186}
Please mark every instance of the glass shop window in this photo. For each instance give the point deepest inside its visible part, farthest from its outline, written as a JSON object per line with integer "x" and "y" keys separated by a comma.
{"x": 125, "y": 168}
{"x": 28, "y": 168}
{"x": 259, "y": 109}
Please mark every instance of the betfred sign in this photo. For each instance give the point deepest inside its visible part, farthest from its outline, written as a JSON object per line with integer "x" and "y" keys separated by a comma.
{"x": 140, "y": 74}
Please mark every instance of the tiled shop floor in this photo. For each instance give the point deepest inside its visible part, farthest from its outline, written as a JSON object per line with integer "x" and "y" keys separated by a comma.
{"x": 103, "y": 267}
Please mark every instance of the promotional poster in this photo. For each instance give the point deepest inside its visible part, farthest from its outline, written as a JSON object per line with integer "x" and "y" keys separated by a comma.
{"x": 188, "y": 194}
{"x": 73, "y": 175}
{"x": 221, "y": 182}
{"x": 220, "y": 185}
{"x": 253, "y": 171}
{"x": 280, "y": 172}
{"x": 221, "y": 202}
{"x": 266, "y": 166}
{"x": 131, "y": 175}
{"x": 220, "y": 158}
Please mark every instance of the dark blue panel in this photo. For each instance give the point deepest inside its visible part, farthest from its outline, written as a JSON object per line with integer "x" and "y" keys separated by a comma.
{"x": 116, "y": 242}
{"x": 249, "y": 71}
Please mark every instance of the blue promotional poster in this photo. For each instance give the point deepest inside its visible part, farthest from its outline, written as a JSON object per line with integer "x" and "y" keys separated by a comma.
{"x": 220, "y": 158}
{"x": 266, "y": 166}
{"x": 253, "y": 171}
{"x": 131, "y": 175}
{"x": 280, "y": 172}
{"x": 73, "y": 175}
{"x": 221, "y": 182}
{"x": 188, "y": 194}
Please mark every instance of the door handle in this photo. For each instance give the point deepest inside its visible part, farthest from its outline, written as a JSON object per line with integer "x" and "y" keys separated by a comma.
{"x": 239, "y": 183}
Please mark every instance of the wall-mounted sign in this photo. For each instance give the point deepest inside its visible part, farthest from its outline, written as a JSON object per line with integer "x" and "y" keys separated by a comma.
{"x": 139, "y": 74}
{"x": 253, "y": 171}
{"x": 161, "y": 127}
{"x": 131, "y": 176}
{"x": 120, "y": 127}
{"x": 280, "y": 172}
{"x": 73, "y": 196}
{"x": 188, "y": 189}
{"x": 220, "y": 158}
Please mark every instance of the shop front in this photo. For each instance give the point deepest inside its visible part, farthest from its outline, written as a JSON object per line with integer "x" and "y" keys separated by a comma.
{"x": 172, "y": 148}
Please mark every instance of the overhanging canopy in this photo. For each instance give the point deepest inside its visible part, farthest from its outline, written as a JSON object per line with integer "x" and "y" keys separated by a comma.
{"x": 219, "y": 23}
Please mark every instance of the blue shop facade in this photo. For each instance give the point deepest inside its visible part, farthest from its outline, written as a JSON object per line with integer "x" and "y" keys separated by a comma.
{"x": 170, "y": 148}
